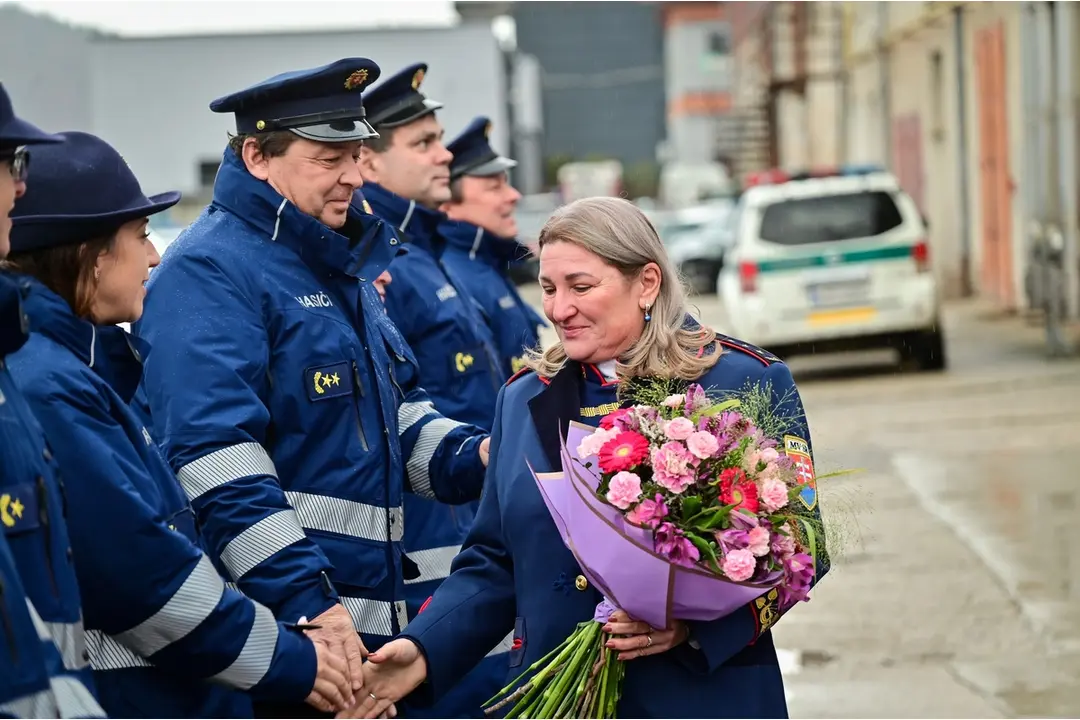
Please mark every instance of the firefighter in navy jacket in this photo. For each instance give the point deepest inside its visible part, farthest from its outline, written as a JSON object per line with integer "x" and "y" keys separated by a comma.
{"x": 606, "y": 286}
{"x": 285, "y": 399}
{"x": 480, "y": 233}
{"x": 43, "y": 668}
{"x": 406, "y": 174}
{"x": 160, "y": 620}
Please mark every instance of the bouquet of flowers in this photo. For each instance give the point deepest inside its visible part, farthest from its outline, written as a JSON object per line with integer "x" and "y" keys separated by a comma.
{"x": 682, "y": 507}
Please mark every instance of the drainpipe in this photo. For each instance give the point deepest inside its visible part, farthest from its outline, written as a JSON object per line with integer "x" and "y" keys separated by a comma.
{"x": 886, "y": 88}
{"x": 960, "y": 52}
{"x": 1066, "y": 129}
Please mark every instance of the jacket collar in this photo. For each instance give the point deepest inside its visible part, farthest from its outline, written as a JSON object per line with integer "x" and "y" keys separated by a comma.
{"x": 482, "y": 245}
{"x": 363, "y": 246}
{"x": 14, "y": 324}
{"x": 419, "y": 224}
{"x": 111, "y": 352}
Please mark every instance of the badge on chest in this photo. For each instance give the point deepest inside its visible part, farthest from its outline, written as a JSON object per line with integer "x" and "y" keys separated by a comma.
{"x": 18, "y": 508}
{"x": 328, "y": 381}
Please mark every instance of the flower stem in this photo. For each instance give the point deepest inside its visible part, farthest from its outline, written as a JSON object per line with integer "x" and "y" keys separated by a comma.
{"x": 553, "y": 695}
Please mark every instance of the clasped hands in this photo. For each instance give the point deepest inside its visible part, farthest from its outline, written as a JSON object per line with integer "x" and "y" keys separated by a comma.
{"x": 399, "y": 667}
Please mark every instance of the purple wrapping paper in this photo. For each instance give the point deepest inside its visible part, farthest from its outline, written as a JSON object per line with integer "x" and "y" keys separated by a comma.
{"x": 617, "y": 558}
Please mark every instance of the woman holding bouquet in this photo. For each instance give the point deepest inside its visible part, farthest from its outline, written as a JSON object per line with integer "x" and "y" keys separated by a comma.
{"x": 620, "y": 313}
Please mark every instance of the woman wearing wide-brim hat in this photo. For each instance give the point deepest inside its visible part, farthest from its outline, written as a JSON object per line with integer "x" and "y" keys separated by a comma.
{"x": 160, "y": 620}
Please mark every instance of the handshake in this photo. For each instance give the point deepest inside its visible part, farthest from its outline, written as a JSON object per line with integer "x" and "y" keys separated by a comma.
{"x": 354, "y": 683}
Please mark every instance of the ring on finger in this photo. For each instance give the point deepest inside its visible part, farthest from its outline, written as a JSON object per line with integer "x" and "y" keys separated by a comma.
{"x": 649, "y": 643}
{"x": 372, "y": 696}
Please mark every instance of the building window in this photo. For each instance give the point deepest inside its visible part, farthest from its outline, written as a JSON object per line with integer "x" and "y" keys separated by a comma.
{"x": 208, "y": 173}
{"x": 719, "y": 43}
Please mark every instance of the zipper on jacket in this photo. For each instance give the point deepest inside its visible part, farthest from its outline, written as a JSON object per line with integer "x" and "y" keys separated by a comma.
{"x": 358, "y": 394}
{"x": 393, "y": 378}
{"x": 43, "y": 516}
{"x": 9, "y": 627}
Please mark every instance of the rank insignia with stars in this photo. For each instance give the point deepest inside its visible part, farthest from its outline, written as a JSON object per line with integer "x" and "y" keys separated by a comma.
{"x": 328, "y": 381}
{"x": 18, "y": 508}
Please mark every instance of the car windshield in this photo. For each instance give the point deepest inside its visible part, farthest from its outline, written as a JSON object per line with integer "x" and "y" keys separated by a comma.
{"x": 830, "y": 218}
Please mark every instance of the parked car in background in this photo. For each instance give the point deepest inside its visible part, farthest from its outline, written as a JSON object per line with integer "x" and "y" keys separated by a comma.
{"x": 697, "y": 239}
{"x": 830, "y": 261}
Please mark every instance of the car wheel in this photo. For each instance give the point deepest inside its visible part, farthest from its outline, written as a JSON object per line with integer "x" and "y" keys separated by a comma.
{"x": 701, "y": 277}
{"x": 924, "y": 351}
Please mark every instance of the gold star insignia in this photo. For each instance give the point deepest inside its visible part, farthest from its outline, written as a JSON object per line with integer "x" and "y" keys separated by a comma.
{"x": 17, "y": 508}
{"x": 337, "y": 380}
{"x": 327, "y": 381}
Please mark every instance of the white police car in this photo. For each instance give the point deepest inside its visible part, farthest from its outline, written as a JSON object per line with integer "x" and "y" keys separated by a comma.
{"x": 831, "y": 261}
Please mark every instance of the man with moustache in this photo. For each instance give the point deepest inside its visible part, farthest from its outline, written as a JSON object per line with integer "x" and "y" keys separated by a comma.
{"x": 406, "y": 178}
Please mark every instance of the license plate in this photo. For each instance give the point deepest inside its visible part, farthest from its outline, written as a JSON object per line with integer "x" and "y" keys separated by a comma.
{"x": 847, "y": 293}
{"x": 842, "y": 316}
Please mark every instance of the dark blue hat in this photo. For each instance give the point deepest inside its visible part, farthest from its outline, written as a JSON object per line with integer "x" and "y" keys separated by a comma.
{"x": 473, "y": 154}
{"x": 398, "y": 100}
{"x": 79, "y": 189}
{"x": 15, "y": 132}
{"x": 324, "y": 104}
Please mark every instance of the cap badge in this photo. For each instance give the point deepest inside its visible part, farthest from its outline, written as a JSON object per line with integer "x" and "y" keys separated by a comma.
{"x": 356, "y": 79}
{"x": 487, "y": 130}
{"x": 417, "y": 78}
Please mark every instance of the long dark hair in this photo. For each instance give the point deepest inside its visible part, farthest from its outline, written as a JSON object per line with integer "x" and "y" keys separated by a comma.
{"x": 67, "y": 270}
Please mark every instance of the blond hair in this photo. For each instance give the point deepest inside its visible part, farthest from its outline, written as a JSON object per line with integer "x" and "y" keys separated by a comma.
{"x": 619, "y": 234}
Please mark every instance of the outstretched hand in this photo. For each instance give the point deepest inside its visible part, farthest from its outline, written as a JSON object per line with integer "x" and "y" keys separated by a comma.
{"x": 390, "y": 674}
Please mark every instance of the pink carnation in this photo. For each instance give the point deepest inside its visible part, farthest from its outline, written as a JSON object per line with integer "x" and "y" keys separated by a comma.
{"x": 702, "y": 445}
{"x": 758, "y": 539}
{"x": 774, "y": 494}
{"x": 671, "y": 467}
{"x": 679, "y": 429}
{"x": 673, "y": 401}
{"x": 590, "y": 446}
{"x": 624, "y": 490}
{"x": 649, "y": 513}
{"x": 783, "y": 544}
{"x": 739, "y": 565}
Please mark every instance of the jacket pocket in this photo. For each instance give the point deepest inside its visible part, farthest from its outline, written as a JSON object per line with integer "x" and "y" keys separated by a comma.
{"x": 359, "y": 564}
{"x": 517, "y": 650}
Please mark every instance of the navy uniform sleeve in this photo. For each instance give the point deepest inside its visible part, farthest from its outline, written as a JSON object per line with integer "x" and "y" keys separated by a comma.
{"x": 442, "y": 456}
{"x": 147, "y": 588}
{"x": 714, "y": 643}
{"x": 477, "y": 600}
{"x": 205, "y": 379}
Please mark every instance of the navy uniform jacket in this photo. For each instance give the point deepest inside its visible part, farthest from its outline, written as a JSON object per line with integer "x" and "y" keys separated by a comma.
{"x": 459, "y": 368}
{"x": 289, "y": 406}
{"x": 39, "y": 574}
{"x": 152, "y": 597}
{"x": 515, "y": 572}
{"x": 482, "y": 261}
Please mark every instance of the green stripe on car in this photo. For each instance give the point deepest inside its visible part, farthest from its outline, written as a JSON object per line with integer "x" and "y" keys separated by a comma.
{"x": 893, "y": 252}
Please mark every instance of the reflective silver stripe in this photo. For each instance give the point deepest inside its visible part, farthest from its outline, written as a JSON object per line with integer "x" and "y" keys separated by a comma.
{"x": 69, "y": 638}
{"x": 41, "y": 704}
{"x": 345, "y": 517}
{"x": 73, "y": 700}
{"x": 234, "y": 586}
{"x": 261, "y": 541}
{"x": 504, "y": 645}
{"x": 192, "y": 603}
{"x": 431, "y": 436}
{"x": 434, "y": 563}
{"x": 107, "y": 654}
{"x": 409, "y": 414}
{"x": 224, "y": 466}
{"x": 253, "y": 662}
{"x": 376, "y": 617}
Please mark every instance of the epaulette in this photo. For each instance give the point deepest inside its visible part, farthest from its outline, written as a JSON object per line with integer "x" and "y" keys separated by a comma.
{"x": 759, "y": 353}
{"x": 519, "y": 373}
